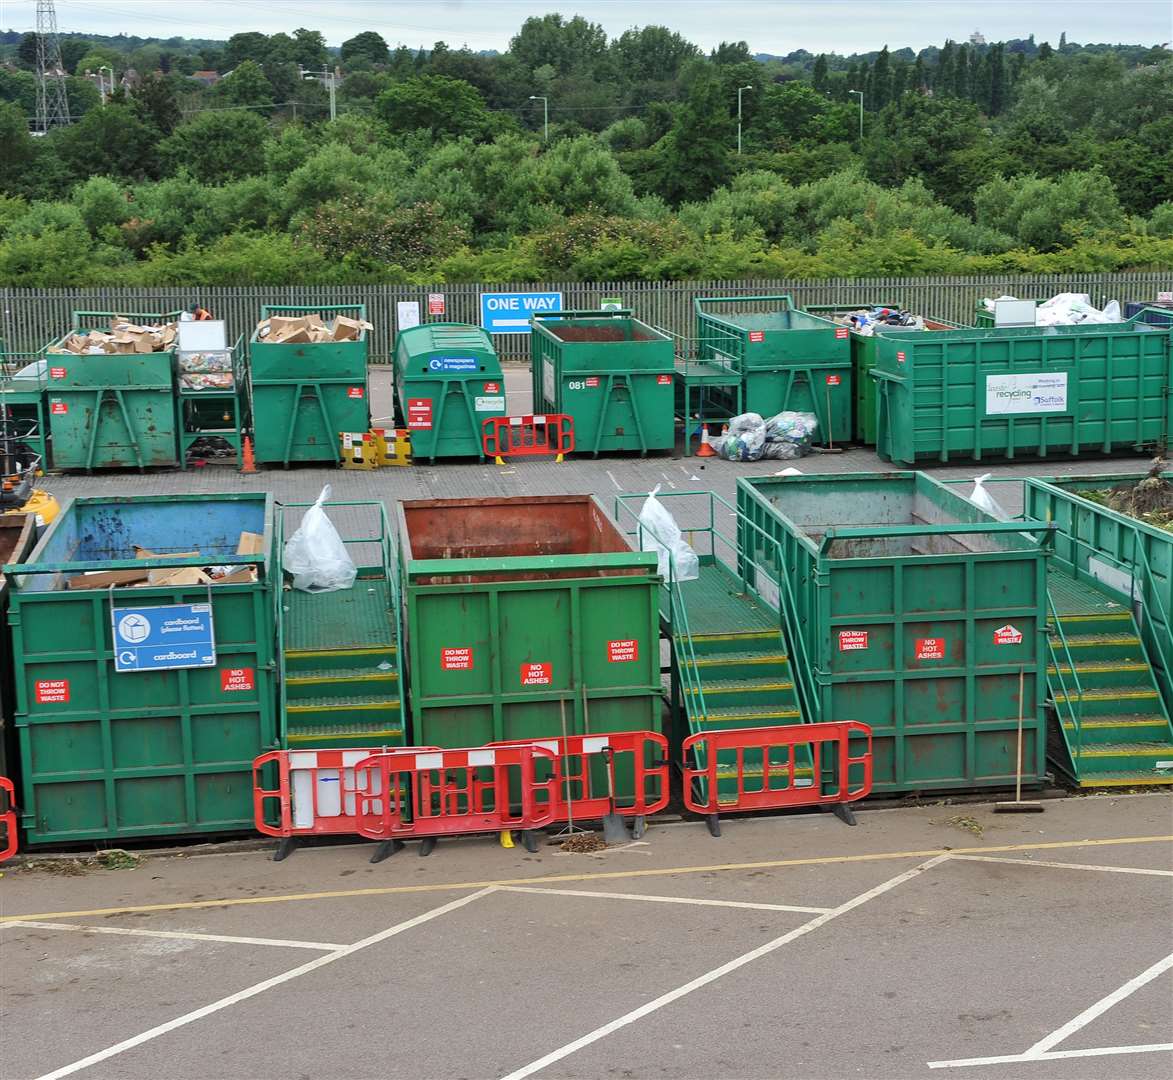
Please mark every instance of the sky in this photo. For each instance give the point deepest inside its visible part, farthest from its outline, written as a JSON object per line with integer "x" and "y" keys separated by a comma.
{"x": 769, "y": 26}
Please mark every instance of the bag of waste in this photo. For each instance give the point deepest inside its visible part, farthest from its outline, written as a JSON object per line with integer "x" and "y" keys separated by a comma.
{"x": 659, "y": 533}
{"x": 316, "y": 556}
{"x": 983, "y": 500}
{"x": 745, "y": 439}
{"x": 790, "y": 435}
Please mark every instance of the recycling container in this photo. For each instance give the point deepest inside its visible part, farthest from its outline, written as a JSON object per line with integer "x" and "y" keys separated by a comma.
{"x": 863, "y": 359}
{"x": 144, "y": 719}
{"x": 1123, "y": 554}
{"x": 911, "y": 610}
{"x": 1022, "y": 392}
{"x": 17, "y": 535}
{"x": 448, "y": 382}
{"x": 788, "y": 358}
{"x": 1157, "y": 314}
{"x": 305, "y": 394}
{"x": 524, "y": 614}
{"x": 611, "y": 373}
{"x": 22, "y": 397}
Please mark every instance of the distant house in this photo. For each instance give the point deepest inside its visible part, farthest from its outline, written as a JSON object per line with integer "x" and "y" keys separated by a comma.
{"x": 130, "y": 79}
{"x": 208, "y": 78}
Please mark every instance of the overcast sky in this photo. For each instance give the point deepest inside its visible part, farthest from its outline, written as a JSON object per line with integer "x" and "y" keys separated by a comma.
{"x": 773, "y": 26}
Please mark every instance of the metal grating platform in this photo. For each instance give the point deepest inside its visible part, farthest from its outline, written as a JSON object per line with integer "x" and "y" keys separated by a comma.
{"x": 714, "y": 606}
{"x": 350, "y": 619}
{"x": 1072, "y": 597}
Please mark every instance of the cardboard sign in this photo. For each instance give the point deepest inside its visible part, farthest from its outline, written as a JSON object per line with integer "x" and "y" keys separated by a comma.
{"x": 237, "y": 678}
{"x": 456, "y": 659}
{"x": 623, "y": 651}
{"x": 663, "y": 380}
{"x": 537, "y": 674}
{"x": 356, "y": 392}
{"x": 834, "y": 380}
{"x": 841, "y": 333}
{"x": 853, "y": 640}
{"x": 1007, "y": 635}
{"x": 435, "y": 303}
{"x": 167, "y": 636}
{"x": 56, "y": 373}
{"x": 930, "y": 648}
{"x": 58, "y": 408}
{"x": 419, "y": 413}
{"x": 757, "y": 336}
{"x": 51, "y": 691}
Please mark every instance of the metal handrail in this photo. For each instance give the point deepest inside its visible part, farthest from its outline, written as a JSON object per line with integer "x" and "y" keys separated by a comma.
{"x": 278, "y": 598}
{"x": 1075, "y": 711}
{"x": 1150, "y": 583}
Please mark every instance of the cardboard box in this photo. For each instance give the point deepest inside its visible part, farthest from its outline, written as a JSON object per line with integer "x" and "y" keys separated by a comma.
{"x": 146, "y": 553}
{"x": 103, "y": 579}
{"x": 179, "y": 575}
{"x": 250, "y": 543}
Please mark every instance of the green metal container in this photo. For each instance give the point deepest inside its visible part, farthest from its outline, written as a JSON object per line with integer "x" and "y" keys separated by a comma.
{"x": 788, "y": 359}
{"x": 525, "y": 612}
{"x": 863, "y": 359}
{"x": 612, "y": 373}
{"x": 22, "y": 397}
{"x": 17, "y": 535}
{"x": 1022, "y": 392}
{"x": 304, "y": 395}
{"x": 1126, "y": 556}
{"x": 109, "y": 754}
{"x": 917, "y": 613}
{"x": 448, "y": 382}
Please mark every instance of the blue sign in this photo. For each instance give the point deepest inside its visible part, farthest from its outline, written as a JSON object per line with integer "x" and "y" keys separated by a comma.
{"x": 157, "y": 638}
{"x": 508, "y": 313}
{"x": 453, "y": 363}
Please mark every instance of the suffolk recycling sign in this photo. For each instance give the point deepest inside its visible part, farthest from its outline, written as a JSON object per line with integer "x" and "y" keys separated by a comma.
{"x": 509, "y": 313}
{"x": 164, "y": 637}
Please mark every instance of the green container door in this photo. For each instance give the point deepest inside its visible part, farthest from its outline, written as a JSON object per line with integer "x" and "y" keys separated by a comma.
{"x": 305, "y": 395}
{"x": 112, "y": 411}
{"x": 302, "y": 420}
{"x": 1023, "y": 392}
{"x": 448, "y": 382}
{"x": 110, "y": 754}
{"x": 918, "y": 613}
{"x": 612, "y": 374}
{"x": 519, "y": 609}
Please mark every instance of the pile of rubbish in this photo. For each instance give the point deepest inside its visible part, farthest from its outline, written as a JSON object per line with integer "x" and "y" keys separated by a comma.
{"x": 1068, "y": 309}
{"x": 210, "y": 370}
{"x": 309, "y": 329}
{"x": 249, "y": 543}
{"x": 784, "y": 437}
{"x": 122, "y": 337}
{"x": 865, "y": 320}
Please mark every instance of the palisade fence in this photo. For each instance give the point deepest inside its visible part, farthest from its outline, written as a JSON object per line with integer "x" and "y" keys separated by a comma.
{"x": 33, "y": 317}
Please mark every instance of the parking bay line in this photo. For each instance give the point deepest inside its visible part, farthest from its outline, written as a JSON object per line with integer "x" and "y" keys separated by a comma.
{"x": 179, "y": 935}
{"x": 1067, "y": 866}
{"x": 594, "y": 875}
{"x": 667, "y": 899}
{"x": 730, "y": 966}
{"x": 261, "y": 987}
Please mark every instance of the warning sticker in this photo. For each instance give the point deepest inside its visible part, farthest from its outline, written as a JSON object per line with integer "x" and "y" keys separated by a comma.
{"x": 356, "y": 392}
{"x": 841, "y": 332}
{"x": 51, "y": 691}
{"x": 237, "y": 678}
{"x": 592, "y": 382}
{"x": 757, "y": 336}
{"x": 900, "y": 358}
{"x": 419, "y": 413}
{"x": 492, "y": 388}
{"x": 834, "y": 380}
{"x": 537, "y": 674}
{"x": 456, "y": 659}
{"x": 853, "y": 640}
{"x": 58, "y": 408}
{"x": 663, "y": 380}
{"x": 930, "y": 648}
{"x": 623, "y": 651}
{"x": 57, "y": 373}
{"x": 1007, "y": 635}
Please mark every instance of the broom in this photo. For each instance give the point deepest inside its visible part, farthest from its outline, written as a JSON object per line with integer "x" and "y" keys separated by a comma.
{"x": 1018, "y": 806}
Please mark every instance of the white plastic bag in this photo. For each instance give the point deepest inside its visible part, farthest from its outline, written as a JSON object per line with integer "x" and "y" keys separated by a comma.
{"x": 660, "y": 533}
{"x": 316, "y": 556}
{"x": 983, "y": 500}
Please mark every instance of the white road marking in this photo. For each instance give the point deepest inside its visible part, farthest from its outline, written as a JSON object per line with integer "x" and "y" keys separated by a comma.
{"x": 668, "y": 899}
{"x": 614, "y": 481}
{"x": 1067, "y": 865}
{"x": 1042, "y": 1050}
{"x": 178, "y": 935}
{"x": 717, "y": 973}
{"x": 1054, "y": 1055}
{"x": 261, "y": 987}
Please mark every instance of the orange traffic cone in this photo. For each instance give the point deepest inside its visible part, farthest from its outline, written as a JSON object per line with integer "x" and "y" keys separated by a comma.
{"x": 705, "y": 450}
{"x": 248, "y": 463}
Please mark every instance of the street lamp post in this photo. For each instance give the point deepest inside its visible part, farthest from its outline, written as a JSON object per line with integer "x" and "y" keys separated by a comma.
{"x": 740, "y": 89}
{"x": 102, "y": 82}
{"x": 327, "y": 77}
{"x": 859, "y": 94}
{"x": 545, "y": 115}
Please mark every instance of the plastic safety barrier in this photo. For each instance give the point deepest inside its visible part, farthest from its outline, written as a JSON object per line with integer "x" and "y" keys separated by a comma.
{"x": 7, "y": 819}
{"x": 434, "y": 793}
{"x": 588, "y": 768}
{"x": 834, "y": 775}
{"x": 528, "y": 436}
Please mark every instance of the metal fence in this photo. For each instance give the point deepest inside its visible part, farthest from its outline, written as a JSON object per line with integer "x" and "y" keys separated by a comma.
{"x": 33, "y": 317}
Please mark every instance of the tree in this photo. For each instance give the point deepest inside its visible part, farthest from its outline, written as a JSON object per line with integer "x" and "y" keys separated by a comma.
{"x": 946, "y": 61}
{"x": 309, "y": 48}
{"x": 961, "y": 74}
{"x": 819, "y": 74}
{"x": 881, "y": 80}
{"x": 694, "y": 155}
{"x": 367, "y": 46}
{"x": 1045, "y": 51}
{"x": 1063, "y": 41}
{"x": 1048, "y": 214}
{"x": 155, "y": 101}
{"x": 251, "y": 45}
{"x": 17, "y": 148}
{"x": 26, "y": 51}
{"x": 731, "y": 52}
{"x": 447, "y": 107}
{"x": 652, "y": 54}
{"x": 997, "y": 98}
{"x": 102, "y": 204}
{"x": 98, "y": 56}
{"x": 568, "y": 46}
{"x": 216, "y": 147}
{"x": 246, "y": 85}
{"x": 108, "y": 142}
